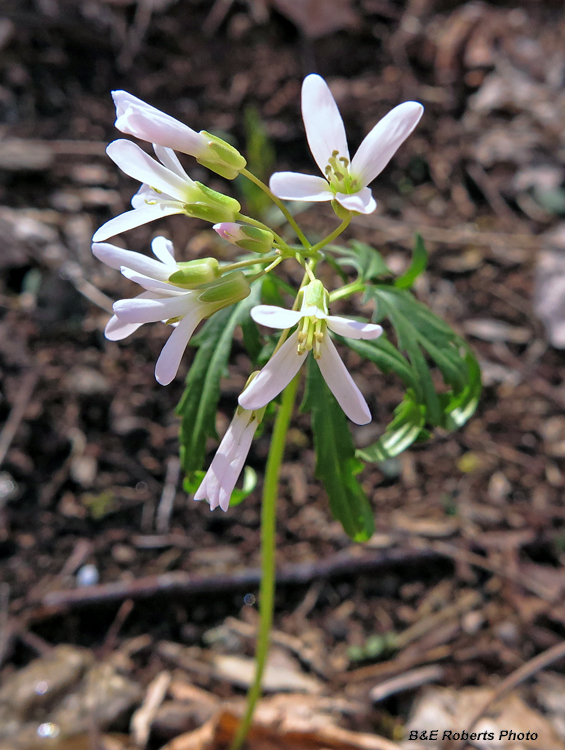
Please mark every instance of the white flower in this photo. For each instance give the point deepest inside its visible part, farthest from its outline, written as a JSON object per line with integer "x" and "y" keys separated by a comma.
{"x": 166, "y": 190}
{"x": 344, "y": 181}
{"x": 313, "y": 320}
{"x": 219, "y": 482}
{"x": 135, "y": 117}
{"x": 164, "y": 301}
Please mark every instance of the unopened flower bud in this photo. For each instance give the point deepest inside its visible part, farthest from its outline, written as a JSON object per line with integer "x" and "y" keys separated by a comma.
{"x": 193, "y": 273}
{"x": 227, "y": 290}
{"x": 247, "y": 237}
{"x": 212, "y": 206}
{"x": 314, "y": 295}
{"x": 220, "y": 157}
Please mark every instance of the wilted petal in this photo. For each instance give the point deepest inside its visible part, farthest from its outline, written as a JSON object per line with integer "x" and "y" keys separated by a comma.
{"x": 324, "y": 127}
{"x": 131, "y": 219}
{"x": 275, "y": 317}
{"x": 137, "y": 164}
{"x": 163, "y": 249}
{"x": 116, "y": 257}
{"x": 171, "y": 354}
{"x": 292, "y": 186}
{"x": 380, "y": 145}
{"x": 116, "y": 329}
{"x": 148, "y": 310}
{"x": 341, "y": 384}
{"x": 353, "y": 329}
{"x": 362, "y": 201}
{"x": 231, "y": 475}
{"x": 276, "y": 375}
{"x": 136, "y": 117}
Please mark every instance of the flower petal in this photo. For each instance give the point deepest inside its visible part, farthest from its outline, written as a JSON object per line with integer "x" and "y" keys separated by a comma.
{"x": 117, "y": 257}
{"x": 276, "y": 375}
{"x": 275, "y": 317}
{"x": 353, "y": 329}
{"x": 341, "y": 384}
{"x": 233, "y": 470}
{"x": 159, "y": 287}
{"x": 136, "y": 117}
{"x": 324, "y": 127}
{"x": 147, "y": 310}
{"x": 293, "y": 186}
{"x": 170, "y": 160}
{"x": 362, "y": 201}
{"x": 380, "y": 145}
{"x": 163, "y": 249}
{"x": 116, "y": 329}
{"x": 135, "y": 218}
{"x": 137, "y": 164}
{"x": 171, "y": 354}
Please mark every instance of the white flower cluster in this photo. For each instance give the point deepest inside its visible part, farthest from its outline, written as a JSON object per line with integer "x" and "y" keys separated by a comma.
{"x": 182, "y": 294}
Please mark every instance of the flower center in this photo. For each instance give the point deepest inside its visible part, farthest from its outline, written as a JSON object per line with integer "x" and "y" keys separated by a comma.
{"x": 311, "y": 332}
{"x": 338, "y": 175}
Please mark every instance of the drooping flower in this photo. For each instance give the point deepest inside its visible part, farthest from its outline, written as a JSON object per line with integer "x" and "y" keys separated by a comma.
{"x": 172, "y": 302}
{"x": 219, "y": 481}
{"x": 136, "y": 117}
{"x": 166, "y": 190}
{"x": 344, "y": 180}
{"x": 313, "y": 321}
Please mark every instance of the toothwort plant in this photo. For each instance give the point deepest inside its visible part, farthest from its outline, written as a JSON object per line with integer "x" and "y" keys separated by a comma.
{"x": 247, "y": 292}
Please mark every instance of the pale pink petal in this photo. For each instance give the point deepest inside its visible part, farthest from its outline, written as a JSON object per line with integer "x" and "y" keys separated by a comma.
{"x": 170, "y": 160}
{"x": 116, "y": 257}
{"x": 293, "y": 186}
{"x": 116, "y": 329}
{"x": 276, "y": 375}
{"x": 160, "y": 287}
{"x": 353, "y": 329}
{"x": 362, "y": 201}
{"x": 135, "y": 218}
{"x": 137, "y": 164}
{"x": 275, "y": 317}
{"x": 136, "y": 117}
{"x": 380, "y": 145}
{"x": 140, "y": 310}
{"x": 341, "y": 384}
{"x": 324, "y": 127}
{"x": 171, "y": 354}
{"x": 163, "y": 249}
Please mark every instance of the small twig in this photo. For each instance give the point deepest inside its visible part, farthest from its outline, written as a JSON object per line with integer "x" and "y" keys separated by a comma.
{"x": 165, "y": 507}
{"x": 181, "y": 582}
{"x": 29, "y": 381}
{"x": 529, "y": 669}
{"x": 143, "y": 718}
{"x": 72, "y": 272}
{"x": 215, "y": 17}
{"x": 407, "y": 681}
{"x": 112, "y": 634}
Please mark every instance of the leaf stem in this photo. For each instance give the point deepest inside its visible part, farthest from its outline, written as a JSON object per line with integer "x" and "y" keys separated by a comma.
{"x": 299, "y": 233}
{"x": 268, "y": 540}
{"x": 347, "y": 290}
{"x": 331, "y": 237}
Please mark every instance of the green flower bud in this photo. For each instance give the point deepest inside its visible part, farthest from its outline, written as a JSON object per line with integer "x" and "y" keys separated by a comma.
{"x": 222, "y": 158}
{"x": 227, "y": 290}
{"x": 255, "y": 239}
{"x": 194, "y": 273}
{"x": 314, "y": 295}
{"x": 212, "y": 206}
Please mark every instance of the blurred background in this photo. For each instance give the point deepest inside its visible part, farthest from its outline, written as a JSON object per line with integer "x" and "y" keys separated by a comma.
{"x": 118, "y": 592}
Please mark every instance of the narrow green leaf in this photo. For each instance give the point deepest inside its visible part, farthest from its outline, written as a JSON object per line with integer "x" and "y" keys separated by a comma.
{"x": 336, "y": 464}
{"x": 416, "y": 267}
{"x": 385, "y": 355}
{"x": 405, "y": 429}
{"x": 367, "y": 261}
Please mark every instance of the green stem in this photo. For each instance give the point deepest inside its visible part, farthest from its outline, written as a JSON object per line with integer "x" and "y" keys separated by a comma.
{"x": 347, "y": 290}
{"x": 331, "y": 237}
{"x": 250, "y": 262}
{"x": 268, "y": 542}
{"x": 299, "y": 233}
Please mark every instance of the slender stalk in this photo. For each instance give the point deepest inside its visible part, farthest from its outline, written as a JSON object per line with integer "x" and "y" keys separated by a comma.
{"x": 347, "y": 290}
{"x": 268, "y": 534}
{"x": 250, "y": 262}
{"x": 299, "y": 233}
{"x": 331, "y": 237}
